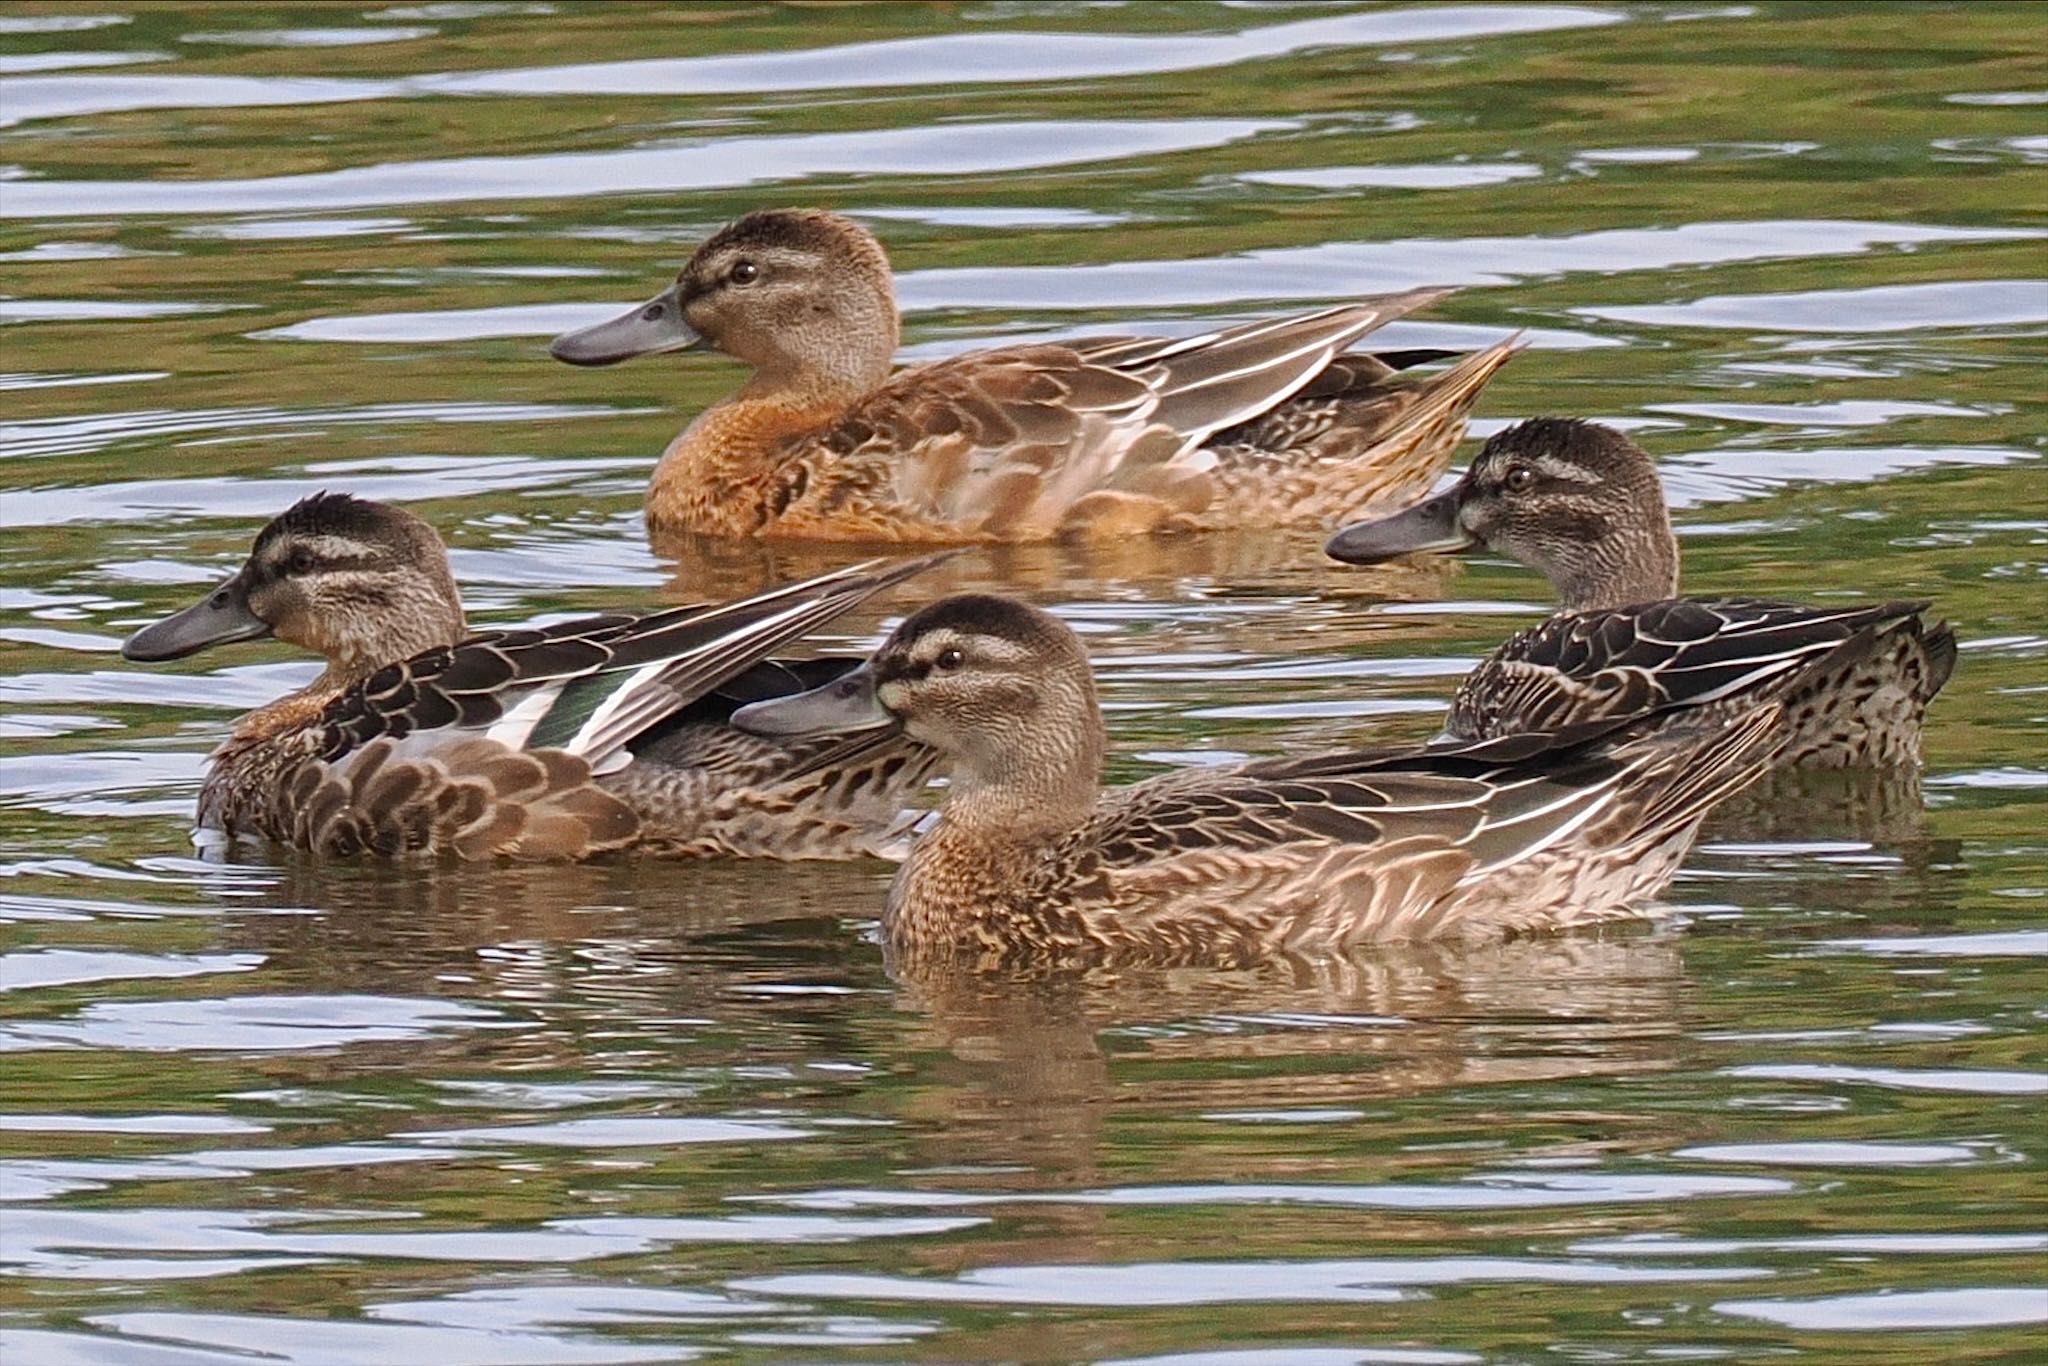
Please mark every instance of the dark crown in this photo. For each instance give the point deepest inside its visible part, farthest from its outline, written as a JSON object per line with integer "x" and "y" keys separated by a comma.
{"x": 795, "y": 229}
{"x": 981, "y": 614}
{"x": 331, "y": 514}
{"x": 1570, "y": 438}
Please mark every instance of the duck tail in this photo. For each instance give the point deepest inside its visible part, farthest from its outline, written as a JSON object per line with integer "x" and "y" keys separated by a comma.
{"x": 1938, "y": 644}
{"x": 1399, "y": 464}
{"x": 1865, "y": 704}
{"x": 1707, "y": 764}
{"x": 1713, "y": 754}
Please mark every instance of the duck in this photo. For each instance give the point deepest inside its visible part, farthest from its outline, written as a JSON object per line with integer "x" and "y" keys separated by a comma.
{"x": 1268, "y": 424}
{"x": 1581, "y": 503}
{"x": 562, "y": 741}
{"x": 1031, "y": 861}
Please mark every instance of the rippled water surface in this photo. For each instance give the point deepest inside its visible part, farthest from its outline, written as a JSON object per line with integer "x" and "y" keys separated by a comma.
{"x": 631, "y": 1113}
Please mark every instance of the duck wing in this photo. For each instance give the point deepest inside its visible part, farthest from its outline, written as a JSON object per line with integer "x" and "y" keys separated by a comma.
{"x": 1300, "y": 855}
{"x": 1013, "y": 443}
{"x": 1678, "y": 653}
{"x": 1523, "y": 829}
{"x": 589, "y": 686}
{"x": 495, "y": 745}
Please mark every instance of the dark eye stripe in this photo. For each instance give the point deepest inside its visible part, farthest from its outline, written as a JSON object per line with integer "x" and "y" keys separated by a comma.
{"x": 324, "y": 564}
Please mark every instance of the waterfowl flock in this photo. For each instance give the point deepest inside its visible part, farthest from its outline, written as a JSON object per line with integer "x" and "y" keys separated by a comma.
{"x": 1577, "y": 765}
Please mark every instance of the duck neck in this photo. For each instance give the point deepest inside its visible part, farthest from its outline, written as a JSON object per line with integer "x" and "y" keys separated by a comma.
{"x": 967, "y": 881}
{"x": 828, "y": 377}
{"x": 1025, "y": 805}
{"x": 1037, "y": 783}
{"x": 1619, "y": 571}
{"x": 1018, "y": 789}
{"x": 404, "y": 619}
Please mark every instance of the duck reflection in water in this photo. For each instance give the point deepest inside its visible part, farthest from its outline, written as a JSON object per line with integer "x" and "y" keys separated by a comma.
{"x": 1021, "y": 1077}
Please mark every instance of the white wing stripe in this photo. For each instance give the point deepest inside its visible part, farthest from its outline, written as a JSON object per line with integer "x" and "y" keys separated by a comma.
{"x": 512, "y": 729}
{"x": 580, "y": 742}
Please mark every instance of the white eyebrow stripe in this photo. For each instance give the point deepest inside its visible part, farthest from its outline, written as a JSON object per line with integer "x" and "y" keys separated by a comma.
{"x": 764, "y": 255}
{"x": 1566, "y": 471}
{"x": 331, "y": 547}
{"x": 1000, "y": 651}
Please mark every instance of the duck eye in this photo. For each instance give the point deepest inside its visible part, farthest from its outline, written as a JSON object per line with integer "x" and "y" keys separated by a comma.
{"x": 744, "y": 273}
{"x": 300, "y": 562}
{"x": 950, "y": 658}
{"x": 1520, "y": 478}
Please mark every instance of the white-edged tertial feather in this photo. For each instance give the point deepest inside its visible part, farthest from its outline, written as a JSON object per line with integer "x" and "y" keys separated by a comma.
{"x": 515, "y": 727}
{"x": 590, "y": 686}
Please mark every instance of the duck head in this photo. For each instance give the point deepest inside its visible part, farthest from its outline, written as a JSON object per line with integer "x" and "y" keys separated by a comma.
{"x": 1577, "y": 501}
{"x": 1002, "y": 689}
{"x": 364, "y": 584}
{"x": 802, "y": 295}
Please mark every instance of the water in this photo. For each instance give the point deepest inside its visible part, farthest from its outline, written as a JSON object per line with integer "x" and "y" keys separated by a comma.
{"x": 628, "y": 1113}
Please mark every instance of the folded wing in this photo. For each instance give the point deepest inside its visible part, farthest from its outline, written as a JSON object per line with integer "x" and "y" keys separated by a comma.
{"x": 497, "y": 745}
{"x": 1683, "y": 652}
{"x": 1029, "y": 441}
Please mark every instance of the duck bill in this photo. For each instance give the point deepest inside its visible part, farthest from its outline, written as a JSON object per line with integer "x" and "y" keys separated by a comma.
{"x": 647, "y": 330}
{"x": 1429, "y": 525}
{"x": 220, "y": 618}
{"x": 847, "y": 703}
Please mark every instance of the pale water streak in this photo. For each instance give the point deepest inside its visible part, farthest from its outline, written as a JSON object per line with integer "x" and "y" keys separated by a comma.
{"x": 699, "y": 164}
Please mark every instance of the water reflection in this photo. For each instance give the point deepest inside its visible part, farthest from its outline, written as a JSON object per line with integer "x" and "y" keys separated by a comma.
{"x": 1223, "y": 1282}
{"x": 1306, "y": 272}
{"x": 1974, "y": 1307}
{"x": 254, "y": 1023}
{"x": 938, "y": 60}
{"x": 1891, "y": 308}
{"x": 1034, "y": 1062}
{"x": 1132, "y": 570}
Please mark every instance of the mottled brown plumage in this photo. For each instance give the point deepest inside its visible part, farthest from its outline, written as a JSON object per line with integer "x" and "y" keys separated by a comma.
{"x": 1029, "y": 858}
{"x": 554, "y": 742}
{"x": 1260, "y": 425}
{"x": 1583, "y": 504}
